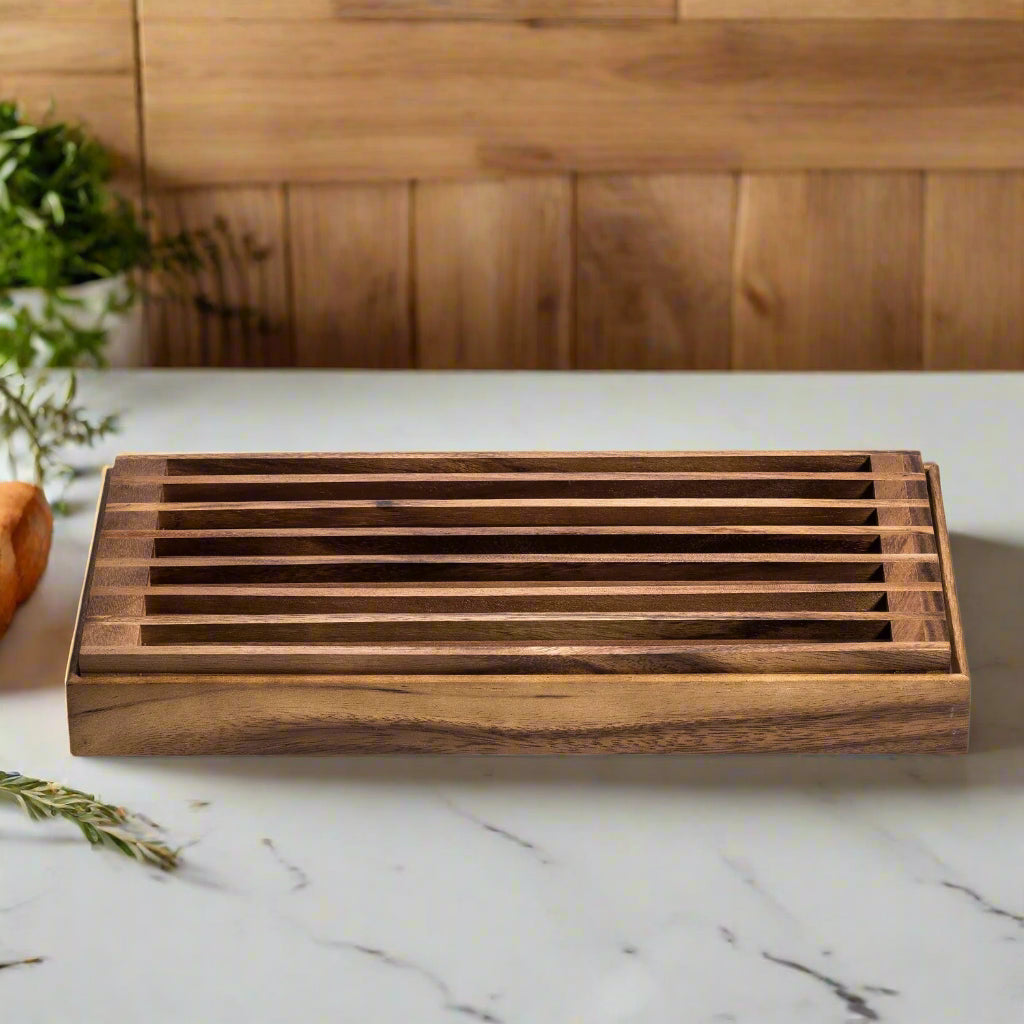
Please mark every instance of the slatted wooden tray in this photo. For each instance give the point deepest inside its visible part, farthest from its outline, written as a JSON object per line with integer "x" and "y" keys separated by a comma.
{"x": 519, "y": 602}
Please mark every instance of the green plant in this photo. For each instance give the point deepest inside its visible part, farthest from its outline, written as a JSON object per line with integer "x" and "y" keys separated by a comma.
{"x": 101, "y": 824}
{"x": 59, "y": 223}
{"x": 62, "y": 225}
{"x": 42, "y": 417}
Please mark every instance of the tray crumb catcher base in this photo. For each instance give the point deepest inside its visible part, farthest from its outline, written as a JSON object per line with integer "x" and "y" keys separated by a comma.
{"x": 519, "y": 603}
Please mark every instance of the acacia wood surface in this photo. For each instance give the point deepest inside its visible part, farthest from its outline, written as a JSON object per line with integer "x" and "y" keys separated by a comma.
{"x": 494, "y": 274}
{"x": 369, "y": 100}
{"x": 249, "y": 277}
{"x": 654, "y": 271}
{"x": 350, "y": 273}
{"x": 448, "y": 10}
{"x": 828, "y": 272}
{"x": 480, "y": 714}
{"x": 660, "y": 107}
{"x": 974, "y": 271}
{"x": 386, "y": 607}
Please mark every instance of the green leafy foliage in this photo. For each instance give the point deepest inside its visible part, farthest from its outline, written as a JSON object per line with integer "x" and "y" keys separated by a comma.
{"x": 61, "y": 225}
{"x": 101, "y": 824}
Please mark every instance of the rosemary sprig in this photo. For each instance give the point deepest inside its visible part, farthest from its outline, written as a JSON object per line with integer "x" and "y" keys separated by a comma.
{"x": 101, "y": 824}
{"x": 43, "y": 418}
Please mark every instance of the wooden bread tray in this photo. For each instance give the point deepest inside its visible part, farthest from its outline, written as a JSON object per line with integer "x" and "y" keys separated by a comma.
{"x": 519, "y": 602}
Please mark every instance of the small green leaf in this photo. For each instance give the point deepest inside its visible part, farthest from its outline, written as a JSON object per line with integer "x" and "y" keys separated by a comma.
{"x": 52, "y": 203}
{"x": 29, "y": 219}
{"x": 7, "y": 168}
{"x": 5, "y": 197}
{"x": 23, "y": 131}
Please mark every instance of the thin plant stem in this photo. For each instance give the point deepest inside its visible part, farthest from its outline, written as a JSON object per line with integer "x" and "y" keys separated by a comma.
{"x": 101, "y": 824}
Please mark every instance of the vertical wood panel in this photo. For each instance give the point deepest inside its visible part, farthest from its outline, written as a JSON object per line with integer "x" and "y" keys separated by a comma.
{"x": 828, "y": 272}
{"x": 654, "y": 271}
{"x": 350, "y": 275}
{"x": 494, "y": 273}
{"x": 974, "y": 271}
{"x": 180, "y": 333}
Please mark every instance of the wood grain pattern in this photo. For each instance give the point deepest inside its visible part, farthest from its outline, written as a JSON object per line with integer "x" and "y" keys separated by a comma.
{"x": 179, "y": 614}
{"x": 105, "y": 103}
{"x": 79, "y": 59}
{"x": 85, "y": 46}
{"x": 494, "y": 274}
{"x": 974, "y": 271}
{"x": 324, "y": 10}
{"x": 870, "y": 9}
{"x": 65, "y": 10}
{"x": 256, "y": 714}
{"x": 956, "y": 626}
{"x": 828, "y": 272}
{"x": 654, "y": 271}
{"x": 184, "y": 333}
{"x": 374, "y": 100}
{"x": 350, "y": 273}
{"x": 894, "y": 544}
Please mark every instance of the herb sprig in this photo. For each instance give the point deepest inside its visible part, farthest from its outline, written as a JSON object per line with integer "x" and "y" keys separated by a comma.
{"x": 40, "y": 417}
{"x": 101, "y": 824}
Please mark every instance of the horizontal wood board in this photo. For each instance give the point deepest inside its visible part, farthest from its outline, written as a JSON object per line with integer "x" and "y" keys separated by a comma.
{"x": 374, "y": 100}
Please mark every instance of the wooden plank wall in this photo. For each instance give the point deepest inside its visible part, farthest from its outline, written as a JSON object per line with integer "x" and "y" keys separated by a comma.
{"x": 756, "y": 184}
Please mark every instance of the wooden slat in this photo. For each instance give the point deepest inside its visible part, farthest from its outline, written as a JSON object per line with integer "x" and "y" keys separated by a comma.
{"x": 828, "y": 272}
{"x": 522, "y": 658}
{"x": 362, "y": 100}
{"x": 868, "y": 9}
{"x": 974, "y": 271}
{"x": 482, "y": 597}
{"x": 251, "y": 275}
{"x": 494, "y": 274}
{"x": 350, "y": 274}
{"x": 535, "y": 627}
{"x": 325, "y": 10}
{"x": 513, "y": 461}
{"x": 440, "y": 532}
{"x": 654, "y": 269}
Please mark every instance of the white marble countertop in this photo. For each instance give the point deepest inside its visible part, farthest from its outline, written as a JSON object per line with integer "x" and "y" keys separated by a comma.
{"x": 538, "y": 890}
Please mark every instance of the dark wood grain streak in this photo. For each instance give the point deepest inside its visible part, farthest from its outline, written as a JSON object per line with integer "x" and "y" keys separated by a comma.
{"x": 530, "y": 714}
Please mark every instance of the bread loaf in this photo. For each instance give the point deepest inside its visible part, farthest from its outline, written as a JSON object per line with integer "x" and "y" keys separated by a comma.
{"x": 26, "y": 528}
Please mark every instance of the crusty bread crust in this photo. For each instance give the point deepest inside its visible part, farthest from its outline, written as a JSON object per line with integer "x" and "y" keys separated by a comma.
{"x": 26, "y": 530}
{"x": 8, "y": 582}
